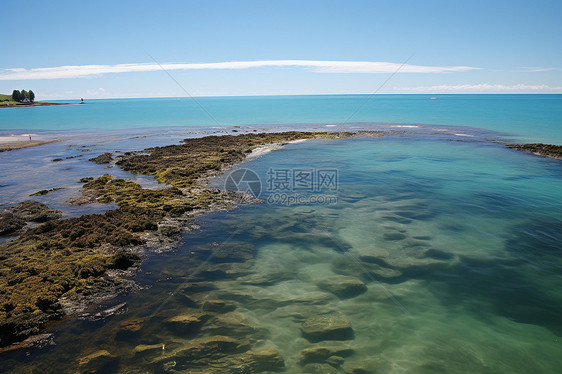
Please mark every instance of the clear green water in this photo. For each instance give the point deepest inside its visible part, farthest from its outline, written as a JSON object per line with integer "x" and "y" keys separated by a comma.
{"x": 457, "y": 242}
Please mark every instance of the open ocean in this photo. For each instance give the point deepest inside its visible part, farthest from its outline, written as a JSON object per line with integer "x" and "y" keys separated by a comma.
{"x": 457, "y": 239}
{"x": 526, "y": 118}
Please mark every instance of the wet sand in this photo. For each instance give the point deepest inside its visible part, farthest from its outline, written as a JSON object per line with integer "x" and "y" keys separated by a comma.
{"x": 18, "y": 144}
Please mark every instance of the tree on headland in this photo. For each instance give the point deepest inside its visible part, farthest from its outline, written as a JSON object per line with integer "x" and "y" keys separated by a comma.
{"x": 23, "y": 96}
{"x": 16, "y": 95}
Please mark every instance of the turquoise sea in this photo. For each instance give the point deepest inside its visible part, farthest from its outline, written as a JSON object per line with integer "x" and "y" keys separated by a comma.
{"x": 453, "y": 242}
{"x": 525, "y": 118}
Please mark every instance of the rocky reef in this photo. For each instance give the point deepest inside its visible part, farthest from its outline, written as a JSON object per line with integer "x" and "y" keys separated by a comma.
{"x": 17, "y": 217}
{"x": 547, "y": 150}
{"x": 61, "y": 265}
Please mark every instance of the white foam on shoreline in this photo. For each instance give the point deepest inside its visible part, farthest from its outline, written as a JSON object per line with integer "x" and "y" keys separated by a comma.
{"x": 298, "y": 141}
{"x": 260, "y": 151}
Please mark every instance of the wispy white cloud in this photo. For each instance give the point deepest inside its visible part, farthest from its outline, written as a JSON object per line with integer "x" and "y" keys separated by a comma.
{"x": 80, "y": 71}
{"x": 482, "y": 87}
{"x": 536, "y": 68}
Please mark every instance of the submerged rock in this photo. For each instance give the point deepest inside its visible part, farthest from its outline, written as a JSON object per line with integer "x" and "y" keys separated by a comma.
{"x": 148, "y": 350}
{"x": 186, "y": 323}
{"x": 114, "y": 310}
{"x": 322, "y": 354}
{"x": 268, "y": 279}
{"x": 343, "y": 286}
{"x": 371, "y": 365}
{"x": 229, "y": 252}
{"x": 394, "y": 235}
{"x": 196, "y": 287}
{"x": 98, "y": 362}
{"x": 367, "y": 269}
{"x": 129, "y": 328}
{"x": 220, "y": 355}
{"x": 236, "y": 325}
{"x": 200, "y": 353}
{"x": 335, "y": 361}
{"x": 331, "y": 326}
{"x": 316, "y": 368}
{"x": 34, "y": 341}
{"x": 256, "y": 361}
{"x": 218, "y": 306}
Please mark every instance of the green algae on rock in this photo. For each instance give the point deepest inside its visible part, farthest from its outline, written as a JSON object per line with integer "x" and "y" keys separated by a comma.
{"x": 16, "y": 217}
{"x": 104, "y": 158}
{"x": 67, "y": 257}
{"x": 45, "y": 192}
{"x": 181, "y": 165}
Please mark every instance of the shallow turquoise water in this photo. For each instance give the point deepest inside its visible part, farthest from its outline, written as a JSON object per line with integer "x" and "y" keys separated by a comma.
{"x": 526, "y": 118}
{"x": 457, "y": 241}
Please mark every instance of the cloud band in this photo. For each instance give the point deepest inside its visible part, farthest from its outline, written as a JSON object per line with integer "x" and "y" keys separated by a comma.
{"x": 80, "y": 71}
{"x": 482, "y": 87}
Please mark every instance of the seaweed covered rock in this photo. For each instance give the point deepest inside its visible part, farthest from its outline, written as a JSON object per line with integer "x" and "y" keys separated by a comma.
{"x": 104, "y": 158}
{"x": 45, "y": 192}
{"x": 181, "y": 165}
{"x": 123, "y": 259}
{"x": 34, "y": 211}
{"x": 172, "y": 201}
{"x": 60, "y": 258}
{"x": 548, "y": 150}
{"x": 9, "y": 223}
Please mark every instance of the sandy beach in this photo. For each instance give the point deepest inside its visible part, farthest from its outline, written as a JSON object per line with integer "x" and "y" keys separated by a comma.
{"x": 9, "y": 143}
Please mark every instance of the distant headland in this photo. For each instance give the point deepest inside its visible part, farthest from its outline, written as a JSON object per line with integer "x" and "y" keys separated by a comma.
{"x": 22, "y": 98}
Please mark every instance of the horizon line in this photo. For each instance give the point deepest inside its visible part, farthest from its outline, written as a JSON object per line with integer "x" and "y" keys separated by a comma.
{"x": 318, "y": 94}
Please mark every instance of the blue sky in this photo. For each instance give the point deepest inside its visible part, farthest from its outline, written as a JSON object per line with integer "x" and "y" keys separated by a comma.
{"x": 102, "y": 49}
